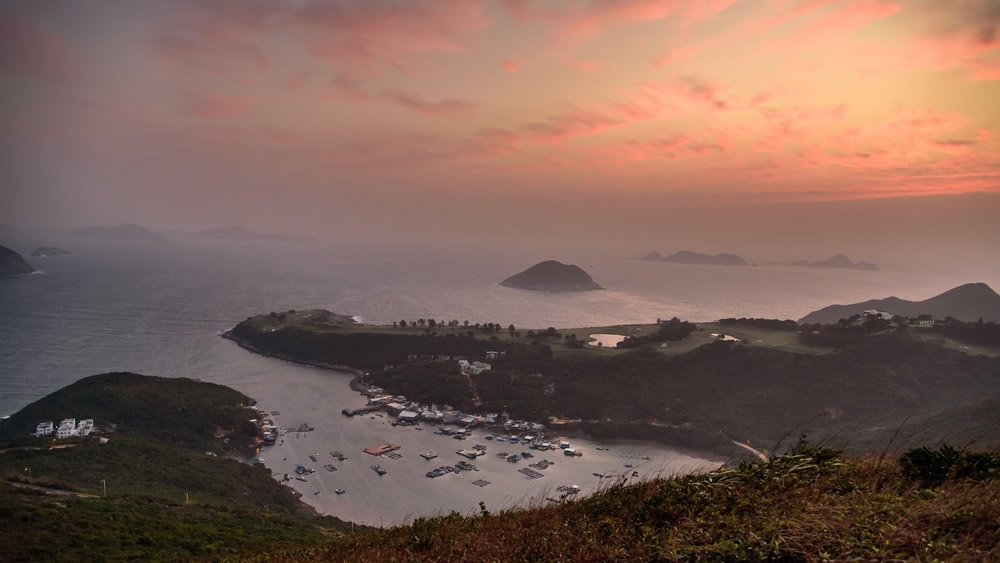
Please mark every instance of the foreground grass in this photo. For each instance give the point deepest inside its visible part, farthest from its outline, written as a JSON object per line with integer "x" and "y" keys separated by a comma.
{"x": 808, "y": 505}
{"x": 40, "y": 527}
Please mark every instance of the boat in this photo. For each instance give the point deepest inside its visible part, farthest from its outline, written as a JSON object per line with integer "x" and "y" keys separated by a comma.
{"x": 340, "y": 491}
{"x": 301, "y": 479}
{"x": 329, "y": 468}
{"x": 428, "y": 455}
{"x": 514, "y": 458}
{"x": 378, "y": 469}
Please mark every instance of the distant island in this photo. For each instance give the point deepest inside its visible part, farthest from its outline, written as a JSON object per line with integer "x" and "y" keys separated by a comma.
{"x": 236, "y": 233}
{"x": 689, "y": 257}
{"x": 552, "y": 276}
{"x": 839, "y": 261}
{"x": 12, "y": 263}
{"x": 43, "y": 251}
{"x": 121, "y": 232}
{"x": 969, "y": 302}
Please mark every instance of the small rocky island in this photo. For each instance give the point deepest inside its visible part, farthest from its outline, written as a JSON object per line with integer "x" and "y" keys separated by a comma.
{"x": 689, "y": 257}
{"x": 12, "y": 263}
{"x": 552, "y": 276}
{"x": 43, "y": 251}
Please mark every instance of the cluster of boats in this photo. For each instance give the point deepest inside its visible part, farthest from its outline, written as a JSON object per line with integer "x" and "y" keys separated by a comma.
{"x": 458, "y": 468}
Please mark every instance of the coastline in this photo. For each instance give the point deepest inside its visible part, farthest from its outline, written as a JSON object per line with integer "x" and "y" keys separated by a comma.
{"x": 228, "y": 335}
{"x": 706, "y": 451}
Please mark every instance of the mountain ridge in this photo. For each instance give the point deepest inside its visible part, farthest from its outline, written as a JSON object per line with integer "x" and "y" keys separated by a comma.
{"x": 967, "y": 302}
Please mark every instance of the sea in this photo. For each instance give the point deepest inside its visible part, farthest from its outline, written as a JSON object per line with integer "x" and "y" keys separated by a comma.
{"x": 159, "y": 309}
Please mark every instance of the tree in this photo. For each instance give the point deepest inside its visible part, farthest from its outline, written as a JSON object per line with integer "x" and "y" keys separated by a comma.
{"x": 511, "y": 329}
{"x": 402, "y": 323}
{"x": 432, "y": 323}
{"x": 466, "y": 323}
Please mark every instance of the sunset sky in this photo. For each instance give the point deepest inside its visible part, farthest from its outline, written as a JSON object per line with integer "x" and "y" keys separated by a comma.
{"x": 446, "y": 116}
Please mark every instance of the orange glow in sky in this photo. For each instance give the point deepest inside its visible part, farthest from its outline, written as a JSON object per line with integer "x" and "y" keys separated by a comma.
{"x": 214, "y": 101}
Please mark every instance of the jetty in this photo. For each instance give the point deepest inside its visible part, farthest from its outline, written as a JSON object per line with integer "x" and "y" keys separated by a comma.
{"x": 380, "y": 449}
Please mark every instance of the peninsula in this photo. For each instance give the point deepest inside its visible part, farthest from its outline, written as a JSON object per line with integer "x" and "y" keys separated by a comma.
{"x": 689, "y": 257}
{"x": 12, "y": 263}
{"x": 43, "y": 251}
{"x": 552, "y": 276}
{"x": 862, "y": 387}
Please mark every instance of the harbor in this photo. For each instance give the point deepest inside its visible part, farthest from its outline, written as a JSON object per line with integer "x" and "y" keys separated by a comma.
{"x": 405, "y": 489}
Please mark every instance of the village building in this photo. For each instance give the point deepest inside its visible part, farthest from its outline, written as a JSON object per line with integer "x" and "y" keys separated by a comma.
{"x": 44, "y": 428}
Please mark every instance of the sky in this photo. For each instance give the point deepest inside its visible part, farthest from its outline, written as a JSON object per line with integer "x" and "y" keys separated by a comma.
{"x": 792, "y": 126}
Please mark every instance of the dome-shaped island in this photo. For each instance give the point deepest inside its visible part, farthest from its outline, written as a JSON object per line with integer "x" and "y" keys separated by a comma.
{"x": 552, "y": 276}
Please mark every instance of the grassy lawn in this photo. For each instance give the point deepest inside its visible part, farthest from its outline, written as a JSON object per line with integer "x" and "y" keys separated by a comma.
{"x": 928, "y": 335}
{"x": 320, "y": 321}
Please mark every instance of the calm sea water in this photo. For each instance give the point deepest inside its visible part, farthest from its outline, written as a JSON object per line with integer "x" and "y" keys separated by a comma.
{"x": 157, "y": 309}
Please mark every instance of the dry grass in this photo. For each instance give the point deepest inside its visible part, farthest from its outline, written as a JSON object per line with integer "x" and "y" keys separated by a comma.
{"x": 810, "y": 505}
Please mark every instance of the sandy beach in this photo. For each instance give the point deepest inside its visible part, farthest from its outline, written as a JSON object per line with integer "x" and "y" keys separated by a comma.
{"x": 317, "y": 396}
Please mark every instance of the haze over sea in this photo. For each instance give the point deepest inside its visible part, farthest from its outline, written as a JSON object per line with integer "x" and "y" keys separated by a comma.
{"x": 158, "y": 309}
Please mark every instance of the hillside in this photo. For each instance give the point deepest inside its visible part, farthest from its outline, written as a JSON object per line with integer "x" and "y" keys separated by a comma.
{"x": 697, "y": 392}
{"x": 811, "y": 504}
{"x": 968, "y": 302}
{"x": 166, "y": 498}
{"x": 552, "y": 276}
{"x": 12, "y": 263}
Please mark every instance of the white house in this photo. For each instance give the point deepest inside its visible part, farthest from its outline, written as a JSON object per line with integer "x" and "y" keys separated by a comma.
{"x": 67, "y": 428}
{"x": 85, "y": 427}
{"x": 44, "y": 428}
{"x": 478, "y": 367}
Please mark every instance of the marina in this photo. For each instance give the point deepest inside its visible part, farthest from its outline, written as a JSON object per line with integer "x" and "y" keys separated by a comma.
{"x": 398, "y": 491}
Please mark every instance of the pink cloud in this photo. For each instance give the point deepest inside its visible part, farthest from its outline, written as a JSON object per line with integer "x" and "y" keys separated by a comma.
{"x": 373, "y": 35}
{"x": 706, "y": 9}
{"x": 212, "y": 106}
{"x": 509, "y": 65}
{"x": 586, "y": 20}
{"x": 682, "y": 52}
{"x": 33, "y": 49}
{"x": 349, "y": 88}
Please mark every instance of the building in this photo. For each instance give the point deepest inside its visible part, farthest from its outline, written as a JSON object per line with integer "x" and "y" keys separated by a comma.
{"x": 408, "y": 416}
{"x": 491, "y": 355}
{"x": 44, "y": 428}
{"x": 85, "y": 427}
{"x": 475, "y": 368}
{"x": 67, "y": 428}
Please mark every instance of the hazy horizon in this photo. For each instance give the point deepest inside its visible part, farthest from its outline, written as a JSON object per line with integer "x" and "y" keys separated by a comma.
{"x": 775, "y": 130}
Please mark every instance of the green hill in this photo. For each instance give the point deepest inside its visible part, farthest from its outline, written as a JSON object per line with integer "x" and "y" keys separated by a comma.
{"x": 165, "y": 497}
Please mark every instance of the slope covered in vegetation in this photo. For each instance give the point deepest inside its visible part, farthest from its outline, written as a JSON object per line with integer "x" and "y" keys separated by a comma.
{"x": 811, "y": 504}
{"x": 144, "y": 487}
